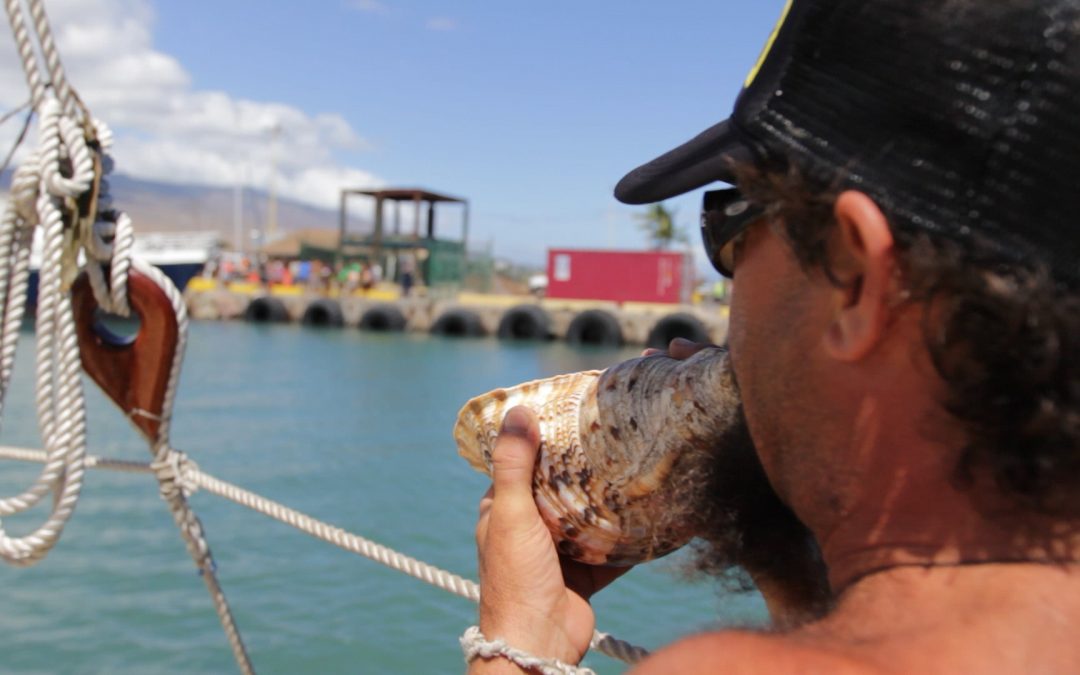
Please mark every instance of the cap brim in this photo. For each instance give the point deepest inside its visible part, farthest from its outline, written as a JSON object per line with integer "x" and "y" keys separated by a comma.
{"x": 707, "y": 158}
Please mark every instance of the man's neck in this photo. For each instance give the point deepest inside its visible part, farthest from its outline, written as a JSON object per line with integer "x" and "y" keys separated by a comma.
{"x": 987, "y": 618}
{"x": 942, "y": 529}
{"x": 899, "y": 503}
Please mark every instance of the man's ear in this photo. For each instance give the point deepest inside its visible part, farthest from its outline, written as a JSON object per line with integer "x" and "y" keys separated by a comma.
{"x": 863, "y": 259}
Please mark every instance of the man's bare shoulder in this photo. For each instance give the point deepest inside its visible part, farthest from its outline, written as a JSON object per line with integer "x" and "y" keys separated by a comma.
{"x": 739, "y": 652}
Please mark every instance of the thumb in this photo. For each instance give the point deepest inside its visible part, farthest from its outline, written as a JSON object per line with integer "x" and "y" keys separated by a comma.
{"x": 514, "y": 455}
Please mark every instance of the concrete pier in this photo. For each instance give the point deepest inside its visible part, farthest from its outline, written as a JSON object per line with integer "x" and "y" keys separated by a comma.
{"x": 466, "y": 315}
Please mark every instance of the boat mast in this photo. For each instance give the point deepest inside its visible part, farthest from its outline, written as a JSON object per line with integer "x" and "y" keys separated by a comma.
{"x": 271, "y": 209}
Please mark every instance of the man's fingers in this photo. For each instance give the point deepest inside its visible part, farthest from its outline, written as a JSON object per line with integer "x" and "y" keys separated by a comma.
{"x": 681, "y": 348}
{"x": 678, "y": 348}
{"x": 515, "y": 454}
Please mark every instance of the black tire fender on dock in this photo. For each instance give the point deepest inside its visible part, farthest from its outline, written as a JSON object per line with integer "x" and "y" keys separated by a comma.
{"x": 385, "y": 318}
{"x": 681, "y": 325}
{"x": 594, "y": 327}
{"x": 525, "y": 322}
{"x": 324, "y": 313}
{"x": 458, "y": 323}
{"x": 266, "y": 309}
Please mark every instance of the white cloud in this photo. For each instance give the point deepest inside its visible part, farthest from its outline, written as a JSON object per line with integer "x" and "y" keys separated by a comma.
{"x": 322, "y": 184}
{"x": 167, "y": 130}
{"x": 441, "y": 23}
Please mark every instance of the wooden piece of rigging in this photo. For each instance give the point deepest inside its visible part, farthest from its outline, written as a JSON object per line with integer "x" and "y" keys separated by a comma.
{"x": 132, "y": 371}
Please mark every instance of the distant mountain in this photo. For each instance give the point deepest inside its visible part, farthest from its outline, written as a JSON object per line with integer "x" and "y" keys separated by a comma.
{"x": 167, "y": 207}
{"x": 170, "y": 207}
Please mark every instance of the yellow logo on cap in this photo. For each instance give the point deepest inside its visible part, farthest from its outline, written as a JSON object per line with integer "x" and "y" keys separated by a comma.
{"x": 768, "y": 46}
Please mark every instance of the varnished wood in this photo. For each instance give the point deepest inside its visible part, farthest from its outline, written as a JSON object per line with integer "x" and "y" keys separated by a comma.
{"x": 134, "y": 375}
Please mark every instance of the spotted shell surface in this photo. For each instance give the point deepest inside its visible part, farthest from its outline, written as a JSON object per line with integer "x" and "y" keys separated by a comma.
{"x": 617, "y": 450}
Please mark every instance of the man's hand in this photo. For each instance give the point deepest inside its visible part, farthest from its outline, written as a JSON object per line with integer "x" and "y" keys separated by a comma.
{"x": 529, "y": 596}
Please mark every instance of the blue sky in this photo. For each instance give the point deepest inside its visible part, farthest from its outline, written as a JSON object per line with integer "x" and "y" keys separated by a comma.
{"x": 533, "y": 111}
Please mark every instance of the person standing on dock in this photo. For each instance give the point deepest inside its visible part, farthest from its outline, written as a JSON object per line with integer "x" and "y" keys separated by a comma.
{"x": 904, "y": 245}
{"x": 408, "y": 267}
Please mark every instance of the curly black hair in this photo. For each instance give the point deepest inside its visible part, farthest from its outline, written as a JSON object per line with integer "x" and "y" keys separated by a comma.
{"x": 1004, "y": 337}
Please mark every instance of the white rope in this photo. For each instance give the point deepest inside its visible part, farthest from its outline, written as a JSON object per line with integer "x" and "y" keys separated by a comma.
{"x": 192, "y": 478}
{"x": 337, "y": 536}
{"x": 92, "y": 461}
{"x": 16, "y": 235}
{"x": 25, "y": 45}
{"x": 52, "y": 56}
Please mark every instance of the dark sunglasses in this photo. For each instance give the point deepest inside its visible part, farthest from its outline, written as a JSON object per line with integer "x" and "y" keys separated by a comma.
{"x": 725, "y": 215}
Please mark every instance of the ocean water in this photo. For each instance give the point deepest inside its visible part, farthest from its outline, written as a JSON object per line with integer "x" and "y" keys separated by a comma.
{"x": 349, "y": 427}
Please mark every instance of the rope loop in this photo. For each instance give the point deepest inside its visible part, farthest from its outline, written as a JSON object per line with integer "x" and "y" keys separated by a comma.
{"x": 109, "y": 244}
{"x": 67, "y": 163}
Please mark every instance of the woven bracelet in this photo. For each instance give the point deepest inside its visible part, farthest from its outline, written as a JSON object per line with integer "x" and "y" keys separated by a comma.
{"x": 475, "y": 645}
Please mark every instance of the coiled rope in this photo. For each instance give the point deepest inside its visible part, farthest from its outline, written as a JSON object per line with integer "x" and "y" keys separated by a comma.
{"x": 62, "y": 188}
{"x": 39, "y": 196}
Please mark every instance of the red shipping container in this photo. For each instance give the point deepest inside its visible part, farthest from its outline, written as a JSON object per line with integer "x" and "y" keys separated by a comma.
{"x": 619, "y": 276}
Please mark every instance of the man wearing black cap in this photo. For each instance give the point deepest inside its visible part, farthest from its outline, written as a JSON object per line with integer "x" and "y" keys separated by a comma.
{"x": 905, "y": 326}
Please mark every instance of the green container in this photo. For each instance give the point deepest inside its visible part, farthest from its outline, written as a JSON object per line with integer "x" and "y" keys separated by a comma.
{"x": 445, "y": 265}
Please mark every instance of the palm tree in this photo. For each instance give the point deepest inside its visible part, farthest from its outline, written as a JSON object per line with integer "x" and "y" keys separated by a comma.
{"x": 658, "y": 222}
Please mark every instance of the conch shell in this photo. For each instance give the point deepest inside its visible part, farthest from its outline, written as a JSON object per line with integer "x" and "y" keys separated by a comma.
{"x": 615, "y": 481}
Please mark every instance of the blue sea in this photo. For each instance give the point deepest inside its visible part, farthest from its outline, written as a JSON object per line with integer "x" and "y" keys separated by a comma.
{"x": 349, "y": 427}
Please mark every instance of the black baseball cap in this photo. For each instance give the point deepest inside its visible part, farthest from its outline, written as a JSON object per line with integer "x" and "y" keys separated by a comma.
{"x": 959, "y": 117}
